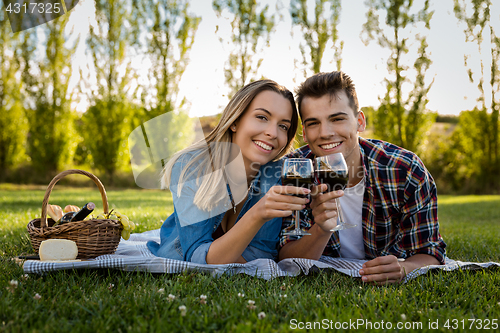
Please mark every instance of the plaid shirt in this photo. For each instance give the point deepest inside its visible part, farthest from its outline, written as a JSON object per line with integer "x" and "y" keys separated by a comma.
{"x": 399, "y": 206}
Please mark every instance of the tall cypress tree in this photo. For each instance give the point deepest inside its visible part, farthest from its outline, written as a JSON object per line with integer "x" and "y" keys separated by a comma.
{"x": 51, "y": 142}
{"x": 318, "y": 32}
{"x": 403, "y": 120}
{"x": 107, "y": 122}
{"x": 482, "y": 148}
{"x": 251, "y": 32}
{"x": 13, "y": 122}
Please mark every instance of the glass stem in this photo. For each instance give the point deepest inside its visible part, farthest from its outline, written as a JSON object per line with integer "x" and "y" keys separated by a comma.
{"x": 297, "y": 222}
{"x": 339, "y": 210}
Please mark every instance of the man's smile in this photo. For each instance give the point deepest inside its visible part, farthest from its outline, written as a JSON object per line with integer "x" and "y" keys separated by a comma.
{"x": 330, "y": 145}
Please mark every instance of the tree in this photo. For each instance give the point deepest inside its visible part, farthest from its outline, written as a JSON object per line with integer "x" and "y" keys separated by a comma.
{"x": 13, "y": 122}
{"x": 251, "y": 29}
{"x": 478, "y": 21}
{"x": 169, "y": 35}
{"x": 318, "y": 33}
{"x": 401, "y": 120}
{"x": 51, "y": 142}
{"x": 107, "y": 121}
{"x": 169, "y": 31}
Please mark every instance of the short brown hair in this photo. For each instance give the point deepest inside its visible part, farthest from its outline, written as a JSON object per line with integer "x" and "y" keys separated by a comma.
{"x": 331, "y": 83}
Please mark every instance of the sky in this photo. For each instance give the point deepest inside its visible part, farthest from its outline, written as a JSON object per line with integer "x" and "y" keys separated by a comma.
{"x": 203, "y": 86}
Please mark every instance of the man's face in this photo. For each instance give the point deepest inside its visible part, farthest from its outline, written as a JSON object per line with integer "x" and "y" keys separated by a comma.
{"x": 331, "y": 126}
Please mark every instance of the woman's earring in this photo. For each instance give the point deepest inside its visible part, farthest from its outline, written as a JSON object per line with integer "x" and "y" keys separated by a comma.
{"x": 233, "y": 128}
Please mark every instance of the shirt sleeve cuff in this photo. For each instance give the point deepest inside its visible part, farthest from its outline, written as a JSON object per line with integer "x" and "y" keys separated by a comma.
{"x": 252, "y": 253}
{"x": 200, "y": 254}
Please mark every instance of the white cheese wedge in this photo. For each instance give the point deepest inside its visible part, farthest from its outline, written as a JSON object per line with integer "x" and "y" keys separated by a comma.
{"x": 58, "y": 249}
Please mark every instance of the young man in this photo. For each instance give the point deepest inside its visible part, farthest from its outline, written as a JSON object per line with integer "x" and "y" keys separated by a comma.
{"x": 390, "y": 196}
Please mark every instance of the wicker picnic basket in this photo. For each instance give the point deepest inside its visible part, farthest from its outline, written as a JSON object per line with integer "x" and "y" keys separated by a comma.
{"x": 93, "y": 237}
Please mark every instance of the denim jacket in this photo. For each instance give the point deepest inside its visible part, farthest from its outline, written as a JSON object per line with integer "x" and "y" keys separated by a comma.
{"x": 191, "y": 241}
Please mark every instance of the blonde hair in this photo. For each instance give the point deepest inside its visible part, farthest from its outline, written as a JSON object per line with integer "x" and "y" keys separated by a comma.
{"x": 211, "y": 158}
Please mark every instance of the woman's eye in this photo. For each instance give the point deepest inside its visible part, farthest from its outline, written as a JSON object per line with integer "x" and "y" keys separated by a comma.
{"x": 261, "y": 117}
{"x": 312, "y": 123}
{"x": 284, "y": 127}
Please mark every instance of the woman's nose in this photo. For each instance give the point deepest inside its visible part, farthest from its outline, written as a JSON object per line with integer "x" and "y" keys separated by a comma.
{"x": 272, "y": 131}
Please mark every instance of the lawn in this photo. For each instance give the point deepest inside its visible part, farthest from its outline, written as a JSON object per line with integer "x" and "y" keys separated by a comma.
{"x": 111, "y": 300}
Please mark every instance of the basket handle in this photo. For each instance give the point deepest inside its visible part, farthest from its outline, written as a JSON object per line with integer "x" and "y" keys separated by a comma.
{"x": 43, "y": 222}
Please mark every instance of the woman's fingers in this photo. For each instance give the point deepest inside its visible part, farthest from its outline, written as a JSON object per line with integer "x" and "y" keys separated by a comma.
{"x": 286, "y": 206}
{"x": 294, "y": 190}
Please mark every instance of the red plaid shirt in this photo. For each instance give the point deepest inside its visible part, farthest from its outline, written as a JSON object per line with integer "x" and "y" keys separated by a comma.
{"x": 399, "y": 205}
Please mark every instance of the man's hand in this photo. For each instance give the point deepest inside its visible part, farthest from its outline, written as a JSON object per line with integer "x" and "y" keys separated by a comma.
{"x": 389, "y": 269}
{"x": 324, "y": 207}
{"x": 383, "y": 270}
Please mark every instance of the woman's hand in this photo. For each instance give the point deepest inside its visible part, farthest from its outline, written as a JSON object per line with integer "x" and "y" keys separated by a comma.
{"x": 279, "y": 202}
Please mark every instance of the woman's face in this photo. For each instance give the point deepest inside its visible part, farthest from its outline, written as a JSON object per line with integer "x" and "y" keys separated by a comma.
{"x": 262, "y": 131}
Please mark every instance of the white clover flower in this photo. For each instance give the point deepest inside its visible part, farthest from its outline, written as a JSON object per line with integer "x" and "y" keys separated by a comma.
{"x": 171, "y": 297}
{"x": 241, "y": 295}
{"x": 13, "y": 283}
{"x": 203, "y": 299}
{"x": 203, "y": 296}
{"x": 161, "y": 291}
{"x": 37, "y": 296}
{"x": 403, "y": 316}
{"x": 183, "y": 310}
{"x": 318, "y": 296}
{"x": 261, "y": 315}
{"x": 251, "y": 305}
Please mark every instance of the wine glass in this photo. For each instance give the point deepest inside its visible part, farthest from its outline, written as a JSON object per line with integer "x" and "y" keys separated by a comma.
{"x": 332, "y": 171}
{"x": 297, "y": 172}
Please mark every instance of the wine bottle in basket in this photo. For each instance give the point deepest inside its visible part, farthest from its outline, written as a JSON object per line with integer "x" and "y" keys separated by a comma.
{"x": 84, "y": 212}
{"x": 65, "y": 218}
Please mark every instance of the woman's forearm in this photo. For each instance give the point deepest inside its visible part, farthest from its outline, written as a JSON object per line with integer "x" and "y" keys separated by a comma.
{"x": 229, "y": 247}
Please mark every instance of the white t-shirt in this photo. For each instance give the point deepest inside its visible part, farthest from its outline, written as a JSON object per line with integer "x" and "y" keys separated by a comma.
{"x": 351, "y": 240}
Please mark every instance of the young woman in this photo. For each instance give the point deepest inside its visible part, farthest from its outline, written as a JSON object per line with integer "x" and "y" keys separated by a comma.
{"x": 214, "y": 220}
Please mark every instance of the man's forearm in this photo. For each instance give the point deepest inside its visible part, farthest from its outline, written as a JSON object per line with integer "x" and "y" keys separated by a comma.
{"x": 309, "y": 247}
{"x": 418, "y": 261}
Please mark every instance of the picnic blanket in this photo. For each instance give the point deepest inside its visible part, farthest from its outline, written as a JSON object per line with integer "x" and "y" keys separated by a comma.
{"x": 133, "y": 255}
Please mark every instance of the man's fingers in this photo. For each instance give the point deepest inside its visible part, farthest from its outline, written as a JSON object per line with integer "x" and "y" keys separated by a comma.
{"x": 318, "y": 189}
{"x": 319, "y": 208}
{"x": 385, "y": 260}
{"x": 325, "y": 216}
{"x": 382, "y": 278}
{"x": 380, "y": 269}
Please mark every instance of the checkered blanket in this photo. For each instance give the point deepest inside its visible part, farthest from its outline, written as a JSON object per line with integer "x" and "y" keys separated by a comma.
{"x": 133, "y": 255}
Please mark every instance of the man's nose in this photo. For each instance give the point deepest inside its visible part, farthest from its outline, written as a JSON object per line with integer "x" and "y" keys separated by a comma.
{"x": 326, "y": 131}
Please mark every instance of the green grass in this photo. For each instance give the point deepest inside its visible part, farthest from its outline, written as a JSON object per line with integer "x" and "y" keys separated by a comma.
{"x": 111, "y": 300}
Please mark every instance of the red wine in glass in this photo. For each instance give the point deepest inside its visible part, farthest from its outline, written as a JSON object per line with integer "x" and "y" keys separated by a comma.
{"x": 298, "y": 181}
{"x": 336, "y": 180}
{"x": 332, "y": 170}
{"x": 297, "y": 172}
